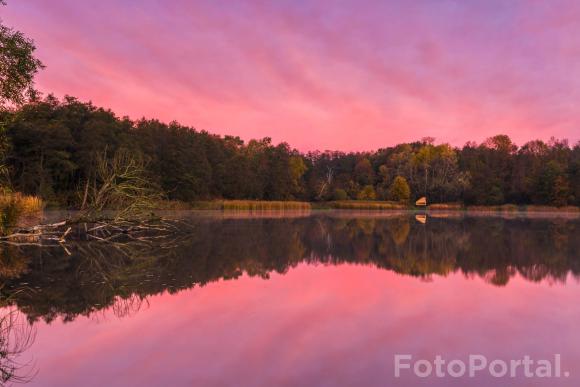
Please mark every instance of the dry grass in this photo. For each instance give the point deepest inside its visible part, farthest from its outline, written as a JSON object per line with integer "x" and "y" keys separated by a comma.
{"x": 172, "y": 205}
{"x": 31, "y": 204}
{"x": 24, "y": 204}
{"x": 502, "y": 208}
{"x": 533, "y": 208}
{"x": 252, "y": 205}
{"x": 15, "y": 207}
{"x": 257, "y": 205}
{"x": 366, "y": 205}
{"x": 264, "y": 205}
{"x": 445, "y": 206}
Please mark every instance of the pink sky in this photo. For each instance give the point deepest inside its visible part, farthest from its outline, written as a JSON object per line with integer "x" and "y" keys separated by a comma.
{"x": 346, "y": 75}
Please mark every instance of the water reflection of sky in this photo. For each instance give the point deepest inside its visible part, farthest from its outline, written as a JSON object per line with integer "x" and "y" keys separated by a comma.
{"x": 321, "y": 298}
{"x": 316, "y": 325}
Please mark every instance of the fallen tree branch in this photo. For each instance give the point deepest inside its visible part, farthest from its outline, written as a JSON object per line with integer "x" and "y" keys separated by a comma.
{"x": 103, "y": 230}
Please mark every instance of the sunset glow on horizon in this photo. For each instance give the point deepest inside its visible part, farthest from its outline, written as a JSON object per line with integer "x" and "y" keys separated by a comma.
{"x": 319, "y": 75}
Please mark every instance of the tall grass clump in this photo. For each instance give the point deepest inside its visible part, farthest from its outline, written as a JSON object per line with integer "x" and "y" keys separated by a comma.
{"x": 14, "y": 206}
{"x": 535, "y": 208}
{"x": 252, "y": 205}
{"x": 30, "y": 205}
{"x": 445, "y": 207}
{"x": 366, "y": 205}
{"x": 172, "y": 205}
{"x": 503, "y": 208}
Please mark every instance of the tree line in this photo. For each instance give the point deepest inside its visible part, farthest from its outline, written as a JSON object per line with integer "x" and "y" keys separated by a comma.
{"x": 52, "y": 148}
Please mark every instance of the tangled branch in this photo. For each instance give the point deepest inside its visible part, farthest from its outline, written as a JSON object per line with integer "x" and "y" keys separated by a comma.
{"x": 121, "y": 184}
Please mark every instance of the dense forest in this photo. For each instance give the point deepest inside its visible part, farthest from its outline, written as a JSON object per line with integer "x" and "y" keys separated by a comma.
{"x": 52, "y": 147}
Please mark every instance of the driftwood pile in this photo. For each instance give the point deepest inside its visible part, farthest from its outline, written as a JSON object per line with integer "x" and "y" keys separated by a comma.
{"x": 101, "y": 230}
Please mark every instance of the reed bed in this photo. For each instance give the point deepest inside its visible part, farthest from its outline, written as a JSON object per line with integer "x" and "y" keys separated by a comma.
{"x": 532, "y": 208}
{"x": 501, "y": 208}
{"x": 252, "y": 205}
{"x": 14, "y": 207}
{"x": 504, "y": 208}
{"x": 172, "y": 205}
{"x": 23, "y": 204}
{"x": 265, "y": 214}
{"x": 264, "y": 205}
{"x": 366, "y": 205}
{"x": 445, "y": 207}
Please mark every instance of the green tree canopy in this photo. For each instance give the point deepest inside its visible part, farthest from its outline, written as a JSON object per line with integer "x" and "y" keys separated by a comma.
{"x": 18, "y": 66}
{"x": 400, "y": 190}
{"x": 367, "y": 193}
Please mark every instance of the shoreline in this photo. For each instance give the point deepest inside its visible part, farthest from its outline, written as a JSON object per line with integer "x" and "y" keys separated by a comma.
{"x": 350, "y": 205}
{"x": 261, "y": 205}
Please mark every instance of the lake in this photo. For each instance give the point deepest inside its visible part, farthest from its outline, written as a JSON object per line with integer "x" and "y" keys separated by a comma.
{"x": 321, "y": 298}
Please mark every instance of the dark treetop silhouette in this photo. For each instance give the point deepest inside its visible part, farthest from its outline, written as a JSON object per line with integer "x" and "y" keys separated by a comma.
{"x": 54, "y": 149}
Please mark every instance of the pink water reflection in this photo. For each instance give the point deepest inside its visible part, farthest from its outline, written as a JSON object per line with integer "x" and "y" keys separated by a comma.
{"x": 316, "y": 325}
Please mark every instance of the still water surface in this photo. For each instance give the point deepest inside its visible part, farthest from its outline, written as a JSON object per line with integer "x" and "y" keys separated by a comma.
{"x": 322, "y": 298}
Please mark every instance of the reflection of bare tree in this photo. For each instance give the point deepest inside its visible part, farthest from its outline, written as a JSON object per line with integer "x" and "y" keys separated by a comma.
{"x": 16, "y": 336}
{"x": 127, "y": 307}
{"x": 115, "y": 231}
{"x": 325, "y": 234}
{"x": 122, "y": 307}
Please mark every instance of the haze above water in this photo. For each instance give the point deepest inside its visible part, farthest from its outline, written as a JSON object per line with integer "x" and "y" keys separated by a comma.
{"x": 321, "y": 298}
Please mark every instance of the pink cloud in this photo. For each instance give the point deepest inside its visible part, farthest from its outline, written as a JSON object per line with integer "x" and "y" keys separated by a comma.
{"x": 351, "y": 77}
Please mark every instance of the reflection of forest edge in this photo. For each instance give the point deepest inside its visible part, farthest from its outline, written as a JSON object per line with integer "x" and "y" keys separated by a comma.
{"x": 46, "y": 283}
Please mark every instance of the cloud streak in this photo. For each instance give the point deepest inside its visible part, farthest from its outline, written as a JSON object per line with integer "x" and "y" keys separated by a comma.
{"x": 320, "y": 75}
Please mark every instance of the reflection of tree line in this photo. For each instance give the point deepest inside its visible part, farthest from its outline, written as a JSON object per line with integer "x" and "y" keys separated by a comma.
{"x": 49, "y": 283}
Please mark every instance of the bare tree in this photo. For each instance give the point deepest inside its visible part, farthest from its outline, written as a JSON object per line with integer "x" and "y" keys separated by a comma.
{"x": 327, "y": 182}
{"x": 121, "y": 184}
